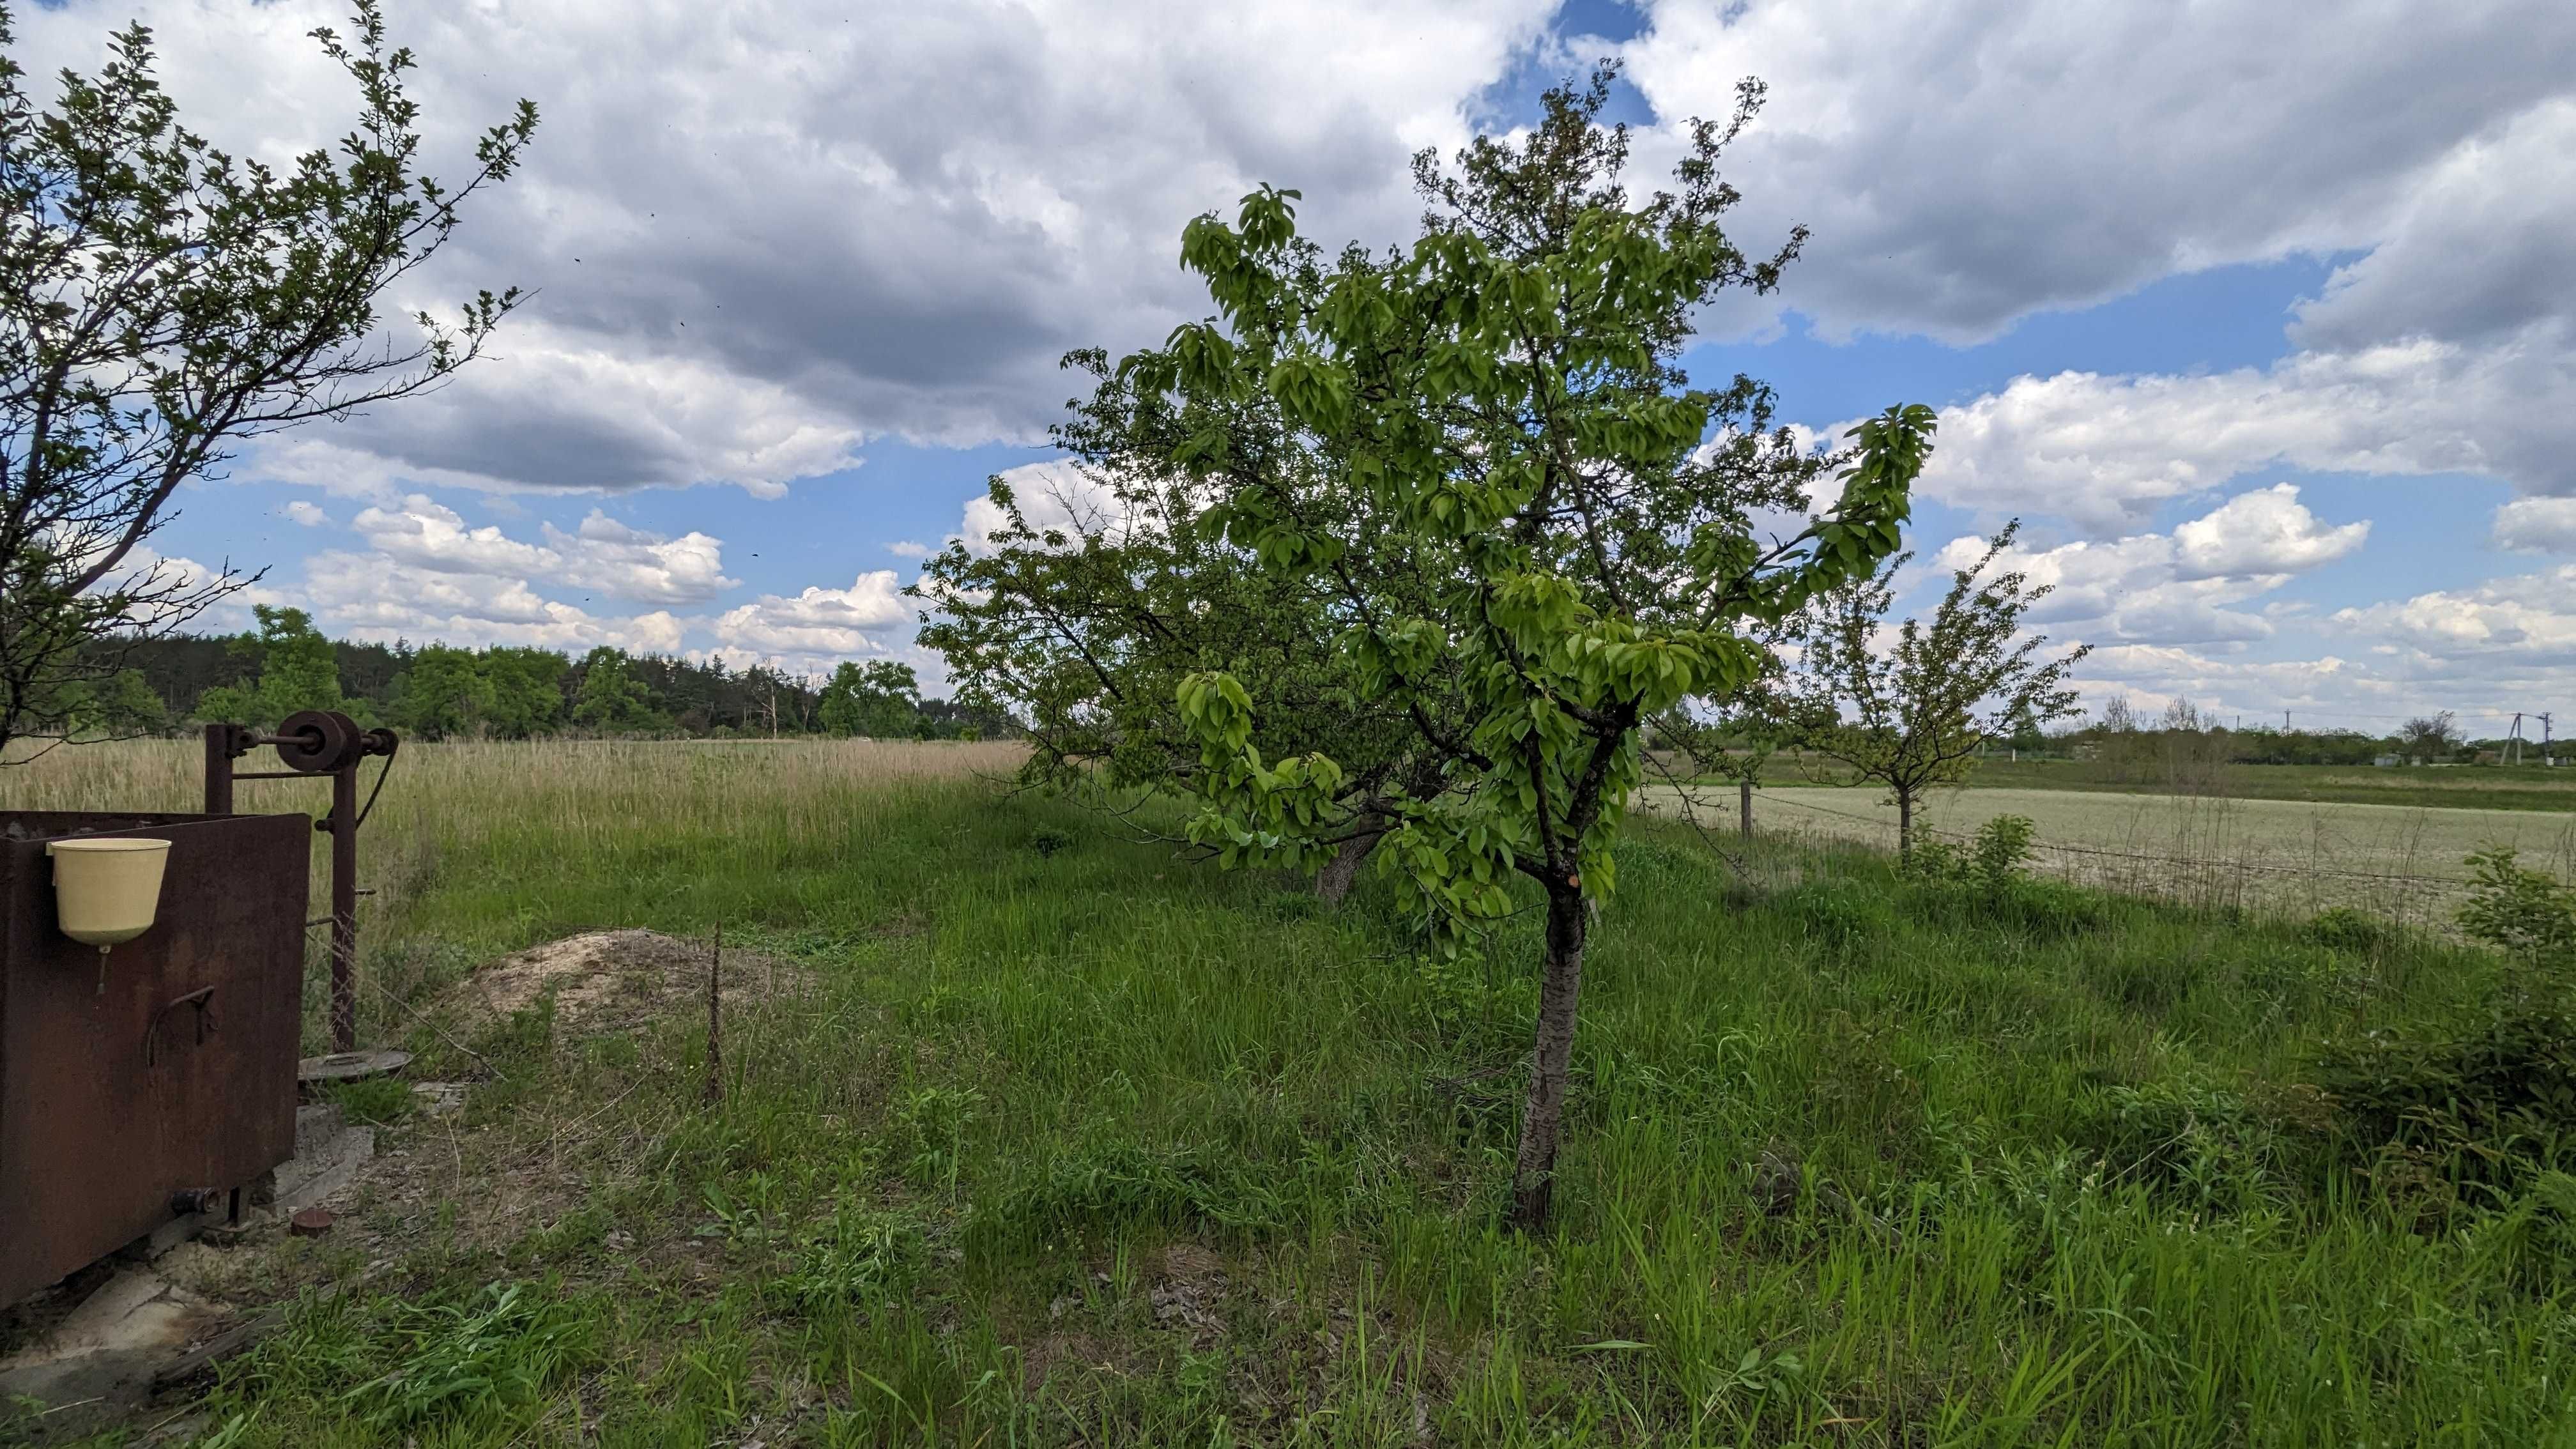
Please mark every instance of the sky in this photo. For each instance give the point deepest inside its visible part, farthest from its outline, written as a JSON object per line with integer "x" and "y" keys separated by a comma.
{"x": 2260, "y": 317}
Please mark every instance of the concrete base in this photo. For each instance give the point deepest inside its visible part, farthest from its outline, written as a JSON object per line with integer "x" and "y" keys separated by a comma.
{"x": 108, "y": 1350}
{"x": 137, "y": 1327}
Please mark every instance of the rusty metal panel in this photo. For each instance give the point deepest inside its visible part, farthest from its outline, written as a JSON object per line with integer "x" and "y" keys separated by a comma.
{"x": 172, "y": 1071}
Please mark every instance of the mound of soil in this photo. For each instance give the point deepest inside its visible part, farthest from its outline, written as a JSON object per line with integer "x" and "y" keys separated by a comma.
{"x": 607, "y": 978}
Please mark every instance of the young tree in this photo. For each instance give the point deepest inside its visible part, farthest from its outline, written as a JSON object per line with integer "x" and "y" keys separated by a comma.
{"x": 1907, "y": 708}
{"x": 160, "y": 303}
{"x": 1498, "y": 412}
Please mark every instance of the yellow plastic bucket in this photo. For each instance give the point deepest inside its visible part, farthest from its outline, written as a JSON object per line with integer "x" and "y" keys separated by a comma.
{"x": 107, "y": 891}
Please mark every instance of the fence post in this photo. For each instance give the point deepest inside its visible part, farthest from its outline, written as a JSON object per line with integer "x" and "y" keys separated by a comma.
{"x": 1744, "y": 799}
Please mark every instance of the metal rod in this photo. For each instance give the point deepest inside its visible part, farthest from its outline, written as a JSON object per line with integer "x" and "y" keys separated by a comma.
{"x": 219, "y": 769}
{"x": 344, "y": 909}
{"x": 272, "y": 775}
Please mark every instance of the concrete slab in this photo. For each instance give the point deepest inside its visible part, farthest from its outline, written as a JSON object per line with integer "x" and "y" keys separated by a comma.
{"x": 108, "y": 1349}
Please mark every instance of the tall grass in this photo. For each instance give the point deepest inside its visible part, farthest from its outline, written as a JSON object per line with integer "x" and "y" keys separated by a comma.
{"x": 1063, "y": 1139}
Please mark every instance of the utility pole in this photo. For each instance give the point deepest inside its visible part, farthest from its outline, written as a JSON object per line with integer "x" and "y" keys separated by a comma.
{"x": 2544, "y": 741}
{"x": 2513, "y": 740}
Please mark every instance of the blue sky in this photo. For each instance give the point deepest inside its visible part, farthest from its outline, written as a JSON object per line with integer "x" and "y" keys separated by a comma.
{"x": 2261, "y": 317}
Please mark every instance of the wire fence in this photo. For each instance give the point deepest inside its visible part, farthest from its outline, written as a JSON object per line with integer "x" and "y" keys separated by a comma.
{"x": 2274, "y": 880}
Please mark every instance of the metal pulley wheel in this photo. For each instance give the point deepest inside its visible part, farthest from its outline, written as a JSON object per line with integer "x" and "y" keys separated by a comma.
{"x": 318, "y": 741}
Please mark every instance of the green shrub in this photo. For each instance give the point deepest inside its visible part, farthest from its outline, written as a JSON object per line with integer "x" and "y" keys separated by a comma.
{"x": 2491, "y": 1106}
{"x": 1046, "y": 840}
{"x": 2527, "y": 913}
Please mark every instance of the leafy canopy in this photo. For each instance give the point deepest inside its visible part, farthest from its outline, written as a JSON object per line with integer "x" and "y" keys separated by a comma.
{"x": 1497, "y": 414}
{"x": 160, "y": 302}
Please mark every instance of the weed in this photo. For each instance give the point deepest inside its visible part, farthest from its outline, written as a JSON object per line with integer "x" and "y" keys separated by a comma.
{"x": 377, "y": 1101}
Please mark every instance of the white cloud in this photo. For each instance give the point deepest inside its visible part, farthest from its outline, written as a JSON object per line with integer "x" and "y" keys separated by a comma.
{"x": 610, "y": 557}
{"x": 308, "y": 514}
{"x": 1962, "y": 166}
{"x": 603, "y": 555}
{"x": 2544, "y": 525}
{"x": 2178, "y": 588}
{"x": 762, "y": 232}
{"x": 2106, "y": 451}
{"x": 2267, "y": 531}
{"x": 906, "y": 548}
{"x": 2527, "y": 619}
{"x": 819, "y": 625}
{"x": 1053, "y": 496}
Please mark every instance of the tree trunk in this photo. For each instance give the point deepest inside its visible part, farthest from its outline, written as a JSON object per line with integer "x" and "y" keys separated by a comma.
{"x": 1543, "y": 1114}
{"x": 1904, "y": 824}
{"x": 1334, "y": 881}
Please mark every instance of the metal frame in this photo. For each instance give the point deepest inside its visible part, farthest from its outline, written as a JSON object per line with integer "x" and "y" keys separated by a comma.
{"x": 315, "y": 742}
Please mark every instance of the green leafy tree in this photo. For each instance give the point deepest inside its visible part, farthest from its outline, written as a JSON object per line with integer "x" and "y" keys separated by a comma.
{"x": 119, "y": 706}
{"x": 880, "y": 700}
{"x": 527, "y": 691}
{"x": 1098, "y": 595}
{"x": 447, "y": 691}
{"x": 297, "y": 669}
{"x": 160, "y": 303}
{"x": 611, "y": 698}
{"x": 1499, "y": 411}
{"x": 1907, "y": 705}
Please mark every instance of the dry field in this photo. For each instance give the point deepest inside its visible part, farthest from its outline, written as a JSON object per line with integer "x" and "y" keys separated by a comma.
{"x": 2404, "y": 862}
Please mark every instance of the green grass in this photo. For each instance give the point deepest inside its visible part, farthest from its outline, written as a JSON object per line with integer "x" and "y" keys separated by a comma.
{"x": 1062, "y": 1140}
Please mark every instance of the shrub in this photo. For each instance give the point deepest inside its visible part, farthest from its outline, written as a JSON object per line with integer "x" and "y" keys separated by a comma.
{"x": 1046, "y": 840}
{"x": 2491, "y": 1106}
{"x": 2527, "y": 913}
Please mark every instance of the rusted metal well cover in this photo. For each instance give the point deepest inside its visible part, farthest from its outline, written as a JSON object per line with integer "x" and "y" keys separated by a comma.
{"x": 171, "y": 1071}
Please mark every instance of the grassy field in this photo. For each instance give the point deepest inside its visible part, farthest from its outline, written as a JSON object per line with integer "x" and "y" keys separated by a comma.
{"x": 1036, "y": 1134}
{"x": 2431, "y": 787}
{"x": 2402, "y": 862}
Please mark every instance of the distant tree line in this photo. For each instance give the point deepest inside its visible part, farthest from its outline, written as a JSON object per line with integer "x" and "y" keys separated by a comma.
{"x": 441, "y": 691}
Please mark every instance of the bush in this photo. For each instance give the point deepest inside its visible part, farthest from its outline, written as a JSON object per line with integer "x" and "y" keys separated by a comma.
{"x": 2527, "y": 913}
{"x": 2492, "y": 1106}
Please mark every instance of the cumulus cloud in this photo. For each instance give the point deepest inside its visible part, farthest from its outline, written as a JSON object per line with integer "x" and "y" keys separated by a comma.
{"x": 2004, "y": 159}
{"x": 2178, "y": 588}
{"x": 304, "y": 512}
{"x": 2542, "y": 525}
{"x": 603, "y": 555}
{"x": 2528, "y": 619}
{"x": 2267, "y": 531}
{"x": 2107, "y": 451}
{"x": 1055, "y": 495}
{"x": 763, "y": 232}
{"x": 819, "y": 625}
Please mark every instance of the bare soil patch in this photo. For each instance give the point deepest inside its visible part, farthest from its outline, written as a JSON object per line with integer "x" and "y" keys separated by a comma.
{"x": 606, "y": 980}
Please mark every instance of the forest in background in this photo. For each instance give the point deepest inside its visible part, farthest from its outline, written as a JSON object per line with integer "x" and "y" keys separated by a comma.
{"x": 440, "y": 691}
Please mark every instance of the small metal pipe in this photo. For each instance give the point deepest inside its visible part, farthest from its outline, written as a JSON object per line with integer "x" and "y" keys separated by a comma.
{"x": 272, "y": 775}
{"x": 344, "y": 908}
{"x": 219, "y": 769}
